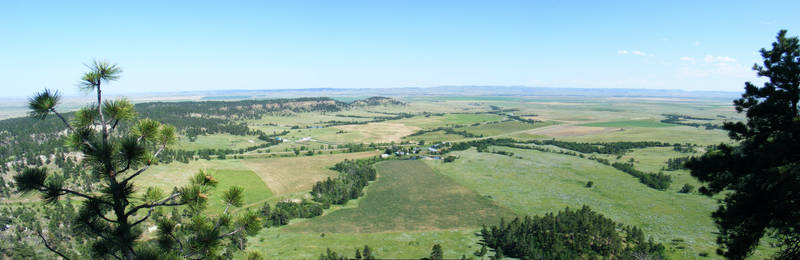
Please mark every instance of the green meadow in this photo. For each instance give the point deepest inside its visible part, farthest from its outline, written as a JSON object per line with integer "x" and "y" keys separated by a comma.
{"x": 254, "y": 187}
{"x": 409, "y": 196}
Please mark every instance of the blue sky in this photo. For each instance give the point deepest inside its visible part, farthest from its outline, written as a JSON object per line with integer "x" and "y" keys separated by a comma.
{"x": 198, "y": 45}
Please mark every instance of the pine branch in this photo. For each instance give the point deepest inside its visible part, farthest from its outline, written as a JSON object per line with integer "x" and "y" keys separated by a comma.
{"x": 180, "y": 244}
{"x": 49, "y": 247}
{"x": 219, "y": 221}
{"x": 107, "y": 219}
{"x": 116, "y": 122}
{"x": 232, "y": 232}
{"x": 152, "y": 206}
{"x": 140, "y": 171}
{"x": 67, "y": 191}
{"x": 62, "y": 119}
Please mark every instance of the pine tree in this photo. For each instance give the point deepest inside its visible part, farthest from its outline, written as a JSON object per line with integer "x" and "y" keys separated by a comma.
{"x": 759, "y": 175}
{"x": 367, "y": 253}
{"x": 436, "y": 252}
{"x": 111, "y": 216}
{"x": 498, "y": 254}
{"x": 482, "y": 252}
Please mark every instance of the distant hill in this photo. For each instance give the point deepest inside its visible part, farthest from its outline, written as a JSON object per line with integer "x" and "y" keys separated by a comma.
{"x": 520, "y": 91}
{"x": 376, "y": 101}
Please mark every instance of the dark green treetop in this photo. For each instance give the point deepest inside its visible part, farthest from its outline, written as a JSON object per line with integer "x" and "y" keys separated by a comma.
{"x": 759, "y": 177}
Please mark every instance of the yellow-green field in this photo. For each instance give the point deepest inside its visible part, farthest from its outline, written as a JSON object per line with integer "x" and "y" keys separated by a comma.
{"x": 297, "y": 174}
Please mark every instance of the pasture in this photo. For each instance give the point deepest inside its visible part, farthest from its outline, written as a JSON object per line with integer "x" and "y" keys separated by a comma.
{"x": 254, "y": 188}
{"x": 535, "y": 183}
{"x": 409, "y": 196}
{"x": 218, "y": 141}
{"x": 297, "y": 174}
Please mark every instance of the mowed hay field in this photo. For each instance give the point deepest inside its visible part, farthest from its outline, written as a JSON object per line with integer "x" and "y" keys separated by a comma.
{"x": 409, "y": 196}
{"x": 376, "y": 132}
{"x": 504, "y": 127}
{"x": 262, "y": 178}
{"x": 296, "y": 174}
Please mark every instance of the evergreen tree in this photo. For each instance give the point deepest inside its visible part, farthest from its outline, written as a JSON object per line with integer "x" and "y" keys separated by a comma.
{"x": 498, "y": 254}
{"x": 436, "y": 252}
{"x": 111, "y": 216}
{"x": 367, "y": 253}
{"x": 481, "y": 252}
{"x": 759, "y": 176}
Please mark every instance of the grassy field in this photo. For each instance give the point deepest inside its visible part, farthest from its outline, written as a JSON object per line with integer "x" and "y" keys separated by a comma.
{"x": 219, "y": 141}
{"x": 270, "y": 177}
{"x": 432, "y": 137}
{"x": 630, "y": 123}
{"x": 374, "y": 133}
{"x": 278, "y": 243}
{"x": 409, "y": 196}
{"x": 407, "y": 210}
{"x": 166, "y": 176}
{"x": 254, "y": 189}
{"x": 543, "y": 182}
{"x": 428, "y": 122}
{"x": 498, "y": 128}
{"x": 677, "y": 134}
{"x": 296, "y": 174}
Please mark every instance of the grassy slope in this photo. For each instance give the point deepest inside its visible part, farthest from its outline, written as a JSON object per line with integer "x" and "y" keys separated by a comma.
{"x": 409, "y": 196}
{"x": 295, "y": 174}
{"x": 278, "y": 243}
{"x": 543, "y": 182}
{"x": 389, "y": 219}
{"x": 630, "y": 123}
{"x": 677, "y": 134}
{"x": 500, "y": 128}
{"x": 447, "y": 119}
{"x": 254, "y": 189}
{"x": 219, "y": 141}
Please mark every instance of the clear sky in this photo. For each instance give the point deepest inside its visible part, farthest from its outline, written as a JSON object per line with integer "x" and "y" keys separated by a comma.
{"x": 199, "y": 45}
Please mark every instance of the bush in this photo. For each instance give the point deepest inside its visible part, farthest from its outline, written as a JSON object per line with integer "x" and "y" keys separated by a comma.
{"x": 687, "y": 188}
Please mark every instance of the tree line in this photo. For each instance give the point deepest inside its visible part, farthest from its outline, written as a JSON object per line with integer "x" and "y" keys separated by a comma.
{"x": 659, "y": 181}
{"x": 681, "y": 120}
{"x": 354, "y": 176}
